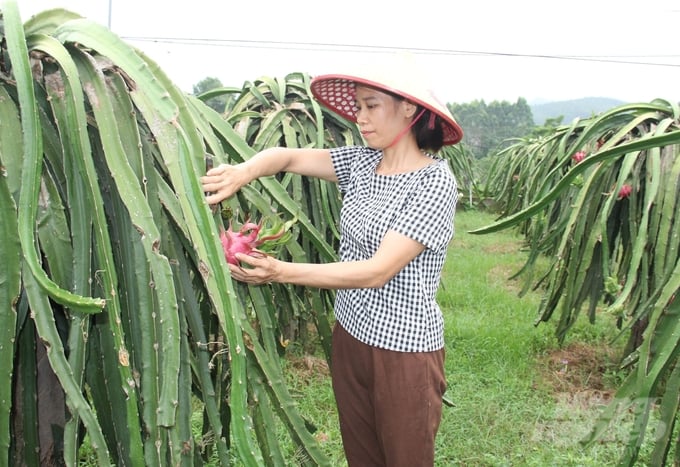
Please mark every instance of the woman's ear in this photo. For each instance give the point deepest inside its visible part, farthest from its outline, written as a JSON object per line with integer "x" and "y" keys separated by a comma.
{"x": 409, "y": 108}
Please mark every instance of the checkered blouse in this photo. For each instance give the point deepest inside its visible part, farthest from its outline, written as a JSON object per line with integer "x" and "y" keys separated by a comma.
{"x": 403, "y": 315}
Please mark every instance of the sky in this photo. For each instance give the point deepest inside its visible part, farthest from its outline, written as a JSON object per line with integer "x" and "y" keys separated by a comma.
{"x": 491, "y": 50}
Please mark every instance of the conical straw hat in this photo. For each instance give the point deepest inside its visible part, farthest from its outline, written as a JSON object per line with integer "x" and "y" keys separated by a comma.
{"x": 399, "y": 75}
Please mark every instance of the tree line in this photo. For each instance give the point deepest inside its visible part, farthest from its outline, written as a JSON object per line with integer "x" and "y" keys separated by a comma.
{"x": 490, "y": 127}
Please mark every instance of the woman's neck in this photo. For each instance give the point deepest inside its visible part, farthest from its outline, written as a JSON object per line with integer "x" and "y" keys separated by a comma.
{"x": 402, "y": 158}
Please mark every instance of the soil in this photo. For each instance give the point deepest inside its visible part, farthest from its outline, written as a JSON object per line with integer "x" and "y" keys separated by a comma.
{"x": 580, "y": 373}
{"x": 308, "y": 367}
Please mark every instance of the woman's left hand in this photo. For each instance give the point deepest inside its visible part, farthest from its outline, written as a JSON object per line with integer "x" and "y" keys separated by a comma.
{"x": 255, "y": 268}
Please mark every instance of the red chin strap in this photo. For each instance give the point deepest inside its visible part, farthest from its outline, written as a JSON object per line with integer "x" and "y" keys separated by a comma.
{"x": 403, "y": 132}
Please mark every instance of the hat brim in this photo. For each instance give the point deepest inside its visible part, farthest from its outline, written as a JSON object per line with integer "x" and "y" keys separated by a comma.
{"x": 337, "y": 92}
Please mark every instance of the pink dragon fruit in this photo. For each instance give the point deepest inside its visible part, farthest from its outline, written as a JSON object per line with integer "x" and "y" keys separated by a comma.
{"x": 250, "y": 237}
{"x": 625, "y": 191}
{"x": 578, "y": 156}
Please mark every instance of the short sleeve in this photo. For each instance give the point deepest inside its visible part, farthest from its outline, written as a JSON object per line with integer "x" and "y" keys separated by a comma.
{"x": 427, "y": 216}
{"x": 348, "y": 161}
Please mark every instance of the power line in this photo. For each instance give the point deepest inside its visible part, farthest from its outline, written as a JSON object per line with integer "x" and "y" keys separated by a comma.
{"x": 330, "y": 47}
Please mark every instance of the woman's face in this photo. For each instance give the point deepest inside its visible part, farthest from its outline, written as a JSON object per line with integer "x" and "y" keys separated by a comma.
{"x": 380, "y": 116}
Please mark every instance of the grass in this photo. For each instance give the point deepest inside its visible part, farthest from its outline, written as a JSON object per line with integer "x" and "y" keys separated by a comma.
{"x": 519, "y": 398}
{"x": 506, "y": 388}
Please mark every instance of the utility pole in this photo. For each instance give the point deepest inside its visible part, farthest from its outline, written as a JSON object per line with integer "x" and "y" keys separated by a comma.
{"x": 109, "y": 23}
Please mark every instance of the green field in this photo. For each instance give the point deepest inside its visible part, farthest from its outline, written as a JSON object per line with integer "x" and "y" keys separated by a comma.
{"x": 518, "y": 398}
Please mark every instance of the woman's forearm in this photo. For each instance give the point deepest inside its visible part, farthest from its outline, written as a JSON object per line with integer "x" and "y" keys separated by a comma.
{"x": 224, "y": 180}
{"x": 340, "y": 275}
{"x": 267, "y": 162}
{"x": 302, "y": 161}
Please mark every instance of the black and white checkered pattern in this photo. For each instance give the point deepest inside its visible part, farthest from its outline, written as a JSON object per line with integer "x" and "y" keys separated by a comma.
{"x": 403, "y": 315}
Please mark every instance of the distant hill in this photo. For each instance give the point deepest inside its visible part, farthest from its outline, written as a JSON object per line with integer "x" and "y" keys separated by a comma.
{"x": 569, "y": 110}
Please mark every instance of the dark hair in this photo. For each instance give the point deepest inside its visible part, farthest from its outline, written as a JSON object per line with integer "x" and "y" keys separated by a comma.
{"x": 429, "y": 137}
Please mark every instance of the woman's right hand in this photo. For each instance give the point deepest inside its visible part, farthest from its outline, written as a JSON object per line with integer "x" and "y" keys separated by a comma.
{"x": 223, "y": 181}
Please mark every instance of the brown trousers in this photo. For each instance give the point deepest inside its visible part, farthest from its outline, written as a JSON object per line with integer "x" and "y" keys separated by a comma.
{"x": 389, "y": 403}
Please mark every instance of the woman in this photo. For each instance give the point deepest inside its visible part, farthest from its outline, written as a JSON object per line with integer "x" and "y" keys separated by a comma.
{"x": 396, "y": 223}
